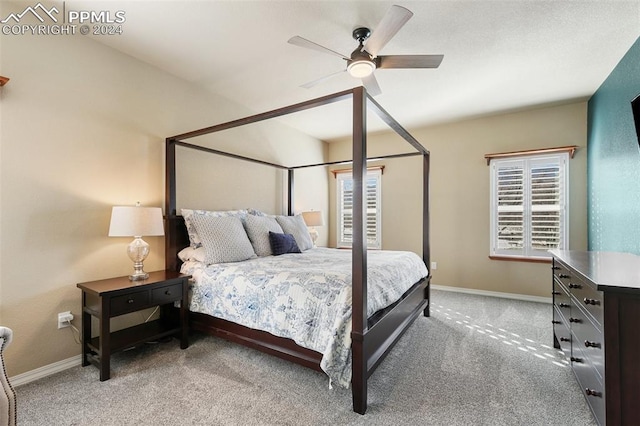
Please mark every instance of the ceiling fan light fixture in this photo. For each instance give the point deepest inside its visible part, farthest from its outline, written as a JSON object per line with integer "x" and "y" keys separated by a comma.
{"x": 362, "y": 68}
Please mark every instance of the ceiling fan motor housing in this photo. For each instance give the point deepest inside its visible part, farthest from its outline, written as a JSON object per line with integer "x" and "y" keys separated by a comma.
{"x": 361, "y": 63}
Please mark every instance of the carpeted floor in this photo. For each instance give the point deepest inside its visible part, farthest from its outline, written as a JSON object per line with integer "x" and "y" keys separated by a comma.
{"x": 476, "y": 361}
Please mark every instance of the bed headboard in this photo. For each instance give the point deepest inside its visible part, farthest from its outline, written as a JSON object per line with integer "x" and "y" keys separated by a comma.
{"x": 176, "y": 238}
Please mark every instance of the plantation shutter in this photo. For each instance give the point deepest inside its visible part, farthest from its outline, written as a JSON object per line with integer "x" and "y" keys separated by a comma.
{"x": 529, "y": 205}
{"x": 546, "y": 204}
{"x": 372, "y": 203}
{"x": 510, "y": 206}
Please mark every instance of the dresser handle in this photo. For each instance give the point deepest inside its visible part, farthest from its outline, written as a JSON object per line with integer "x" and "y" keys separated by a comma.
{"x": 575, "y": 320}
{"x": 574, "y": 359}
{"x": 571, "y": 285}
{"x": 555, "y": 268}
{"x": 564, "y": 305}
{"x": 592, "y": 392}
{"x": 168, "y": 292}
{"x": 565, "y": 339}
{"x": 593, "y": 302}
{"x": 130, "y": 301}
{"x": 556, "y": 293}
{"x": 564, "y": 276}
{"x": 589, "y": 344}
{"x": 555, "y": 322}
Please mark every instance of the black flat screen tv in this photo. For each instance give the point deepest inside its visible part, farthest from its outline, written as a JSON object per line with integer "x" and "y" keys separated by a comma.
{"x": 635, "y": 107}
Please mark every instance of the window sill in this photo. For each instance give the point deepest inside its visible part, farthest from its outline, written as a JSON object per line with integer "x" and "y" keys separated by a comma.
{"x": 522, "y": 259}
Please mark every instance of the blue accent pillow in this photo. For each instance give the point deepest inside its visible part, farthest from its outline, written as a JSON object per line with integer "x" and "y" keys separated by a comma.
{"x": 282, "y": 243}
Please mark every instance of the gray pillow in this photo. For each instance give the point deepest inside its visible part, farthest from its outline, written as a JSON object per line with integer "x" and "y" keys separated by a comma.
{"x": 223, "y": 238}
{"x": 194, "y": 239}
{"x": 296, "y": 226}
{"x": 258, "y": 228}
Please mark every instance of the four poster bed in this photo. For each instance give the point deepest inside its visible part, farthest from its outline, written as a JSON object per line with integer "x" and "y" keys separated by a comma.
{"x": 369, "y": 336}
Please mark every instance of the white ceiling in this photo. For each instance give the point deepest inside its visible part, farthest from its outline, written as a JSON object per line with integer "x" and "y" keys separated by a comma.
{"x": 499, "y": 55}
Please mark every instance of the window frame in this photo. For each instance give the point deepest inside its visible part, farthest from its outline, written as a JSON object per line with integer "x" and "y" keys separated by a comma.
{"x": 342, "y": 175}
{"x": 529, "y": 162}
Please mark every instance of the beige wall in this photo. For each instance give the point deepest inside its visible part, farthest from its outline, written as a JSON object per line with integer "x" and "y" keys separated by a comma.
{"x": 460, "y": 193}
{"x": 82, "y": 129}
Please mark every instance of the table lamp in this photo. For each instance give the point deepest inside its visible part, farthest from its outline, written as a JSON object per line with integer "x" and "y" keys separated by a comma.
{"x": 136, "y": 221}
{"x": 313, "y": 219}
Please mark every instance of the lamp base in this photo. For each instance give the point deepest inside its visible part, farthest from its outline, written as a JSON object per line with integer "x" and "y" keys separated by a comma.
{"x": 314, "y": 235}
{"x": 138, "y": 251}
{"x": 138, "y": 277}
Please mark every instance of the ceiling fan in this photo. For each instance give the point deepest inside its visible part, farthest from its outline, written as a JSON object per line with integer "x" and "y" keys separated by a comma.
{"x": 364, "y": 60}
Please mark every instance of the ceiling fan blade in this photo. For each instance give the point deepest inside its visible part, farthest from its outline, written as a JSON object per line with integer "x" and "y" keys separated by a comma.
{"x": 390, "y": 24}
{"x": 320, "y": 80}
{"x": 371, "y": 84}
{"x": 303, "y": 42}
{"x": 409, "y": 61}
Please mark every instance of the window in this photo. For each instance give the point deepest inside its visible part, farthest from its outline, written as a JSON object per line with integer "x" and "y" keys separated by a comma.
{"x": 529, "y": 205}
{"x": 344, "y": 182}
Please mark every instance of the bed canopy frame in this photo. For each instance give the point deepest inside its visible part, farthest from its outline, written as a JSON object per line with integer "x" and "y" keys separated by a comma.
{"x": 371, "y": 342}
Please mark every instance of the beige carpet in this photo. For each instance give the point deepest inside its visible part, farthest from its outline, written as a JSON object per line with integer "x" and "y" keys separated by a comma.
{"x": 476, "y": 361}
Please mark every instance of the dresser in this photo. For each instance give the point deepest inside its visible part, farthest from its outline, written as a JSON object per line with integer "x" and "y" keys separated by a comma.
{"x": 596, "y": 323}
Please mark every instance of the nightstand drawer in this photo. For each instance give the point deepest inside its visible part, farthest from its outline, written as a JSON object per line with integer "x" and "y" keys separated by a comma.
{"x": 129, "y": 303}
{"x": 167, "y": 294}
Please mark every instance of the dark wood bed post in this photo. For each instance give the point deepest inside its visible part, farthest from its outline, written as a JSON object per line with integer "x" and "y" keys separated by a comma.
{"x": 290, "y": 188}
{"x": 171, "y": 243}
{"x": 170, "y": 178}
{"x": 359, "y": 254}
{"x": 426, "y": 246}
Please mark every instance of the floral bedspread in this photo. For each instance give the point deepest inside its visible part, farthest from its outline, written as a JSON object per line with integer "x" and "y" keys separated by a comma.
{"x": 305, "y": 297}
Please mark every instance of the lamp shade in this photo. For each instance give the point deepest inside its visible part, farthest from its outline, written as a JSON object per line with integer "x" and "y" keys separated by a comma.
{"x": 313, "y": 218}
{"x": 135, "y": 221}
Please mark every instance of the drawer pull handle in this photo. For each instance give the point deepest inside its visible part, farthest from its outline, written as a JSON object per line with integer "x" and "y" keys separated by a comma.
{"x": 575, "y": 320}
{"x": 555, "y": 268}
{"x": 555, "y": 322}
{"x": 564, "y": 305}
{"x": 565, "y": 339}
{"x": 130, "y": 301}
{"x": 592, "y": 392}
{"x": 564, "y": 276}
{"x": 168, "y": 292}
{"x": 571, "y": 285}
{"x": 593, "y": 302}
{"x": 589, "y": 344}
{"x": 556, "y": 293}
{"x": 575, "y": 359}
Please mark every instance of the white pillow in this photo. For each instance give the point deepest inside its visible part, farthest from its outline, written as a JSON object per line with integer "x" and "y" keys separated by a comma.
{"x": 296, "y": 226}
{"x": 191, "y": 230}
{"x": 258, "y": 228}
{"x": 223, "y": 238}
{"x": 189, "y": 253}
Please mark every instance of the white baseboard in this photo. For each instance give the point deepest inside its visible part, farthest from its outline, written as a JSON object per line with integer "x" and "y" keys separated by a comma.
{"x": 494, "y": 294}
{"x": 47, "y": 370}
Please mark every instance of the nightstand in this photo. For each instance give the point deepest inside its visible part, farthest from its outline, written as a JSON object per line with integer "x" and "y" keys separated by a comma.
{"x": 105, "y": 299}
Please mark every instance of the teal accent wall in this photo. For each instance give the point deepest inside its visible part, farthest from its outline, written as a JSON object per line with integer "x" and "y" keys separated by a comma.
{"x": 613, "y": 160}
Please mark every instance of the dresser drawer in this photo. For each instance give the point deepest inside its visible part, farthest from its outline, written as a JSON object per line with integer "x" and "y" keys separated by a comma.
{"x": 590, "y": 299}
{"x": 561, "y": 332}
{"x": 166, "y": 294}
{"x": 561, "y": 299}
{"x": 561, "y": 273}
{"x": 589, "y": 339}
{"x": 129, "y": 303}
{"x": 591, "y": 387}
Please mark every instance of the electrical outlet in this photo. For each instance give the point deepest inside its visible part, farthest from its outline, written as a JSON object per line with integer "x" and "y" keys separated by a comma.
{"x": 434, "y": 266}
{"x": 64, "y": 319}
